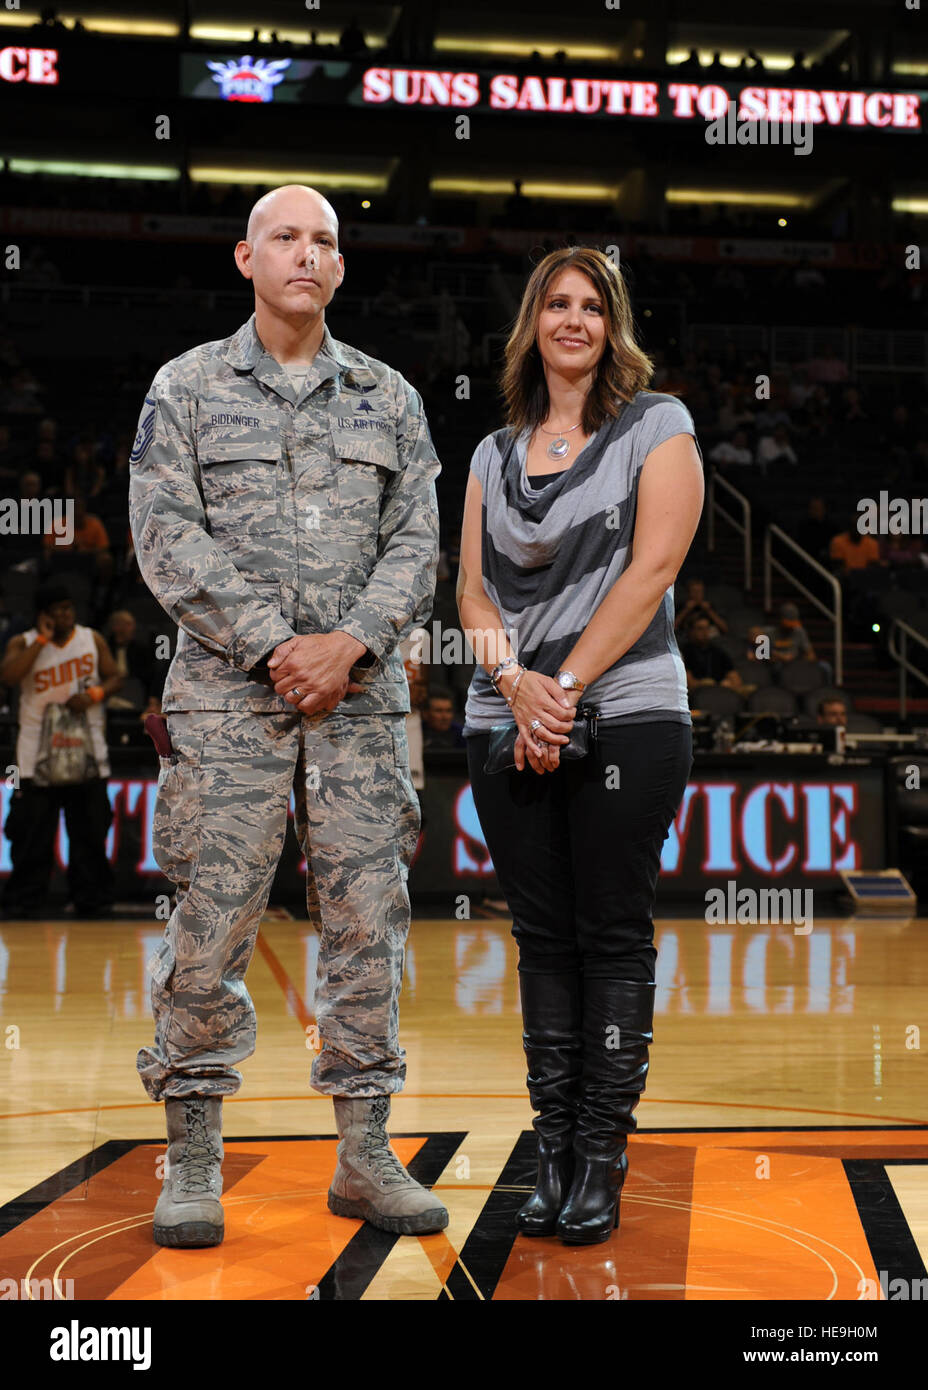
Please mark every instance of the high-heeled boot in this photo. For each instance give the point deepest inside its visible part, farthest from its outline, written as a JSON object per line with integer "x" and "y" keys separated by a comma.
{"x": 618, "y": 1017}
{"x": 553, "y": 1042}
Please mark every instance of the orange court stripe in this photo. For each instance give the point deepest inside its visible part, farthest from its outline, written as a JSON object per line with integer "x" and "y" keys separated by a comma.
{"x": 276, "y": 1247}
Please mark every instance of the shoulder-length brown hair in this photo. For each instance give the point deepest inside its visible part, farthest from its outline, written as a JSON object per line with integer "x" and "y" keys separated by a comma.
{"x": 622, "y": 369}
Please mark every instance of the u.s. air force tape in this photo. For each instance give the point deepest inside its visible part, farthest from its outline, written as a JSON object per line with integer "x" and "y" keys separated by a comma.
{"x": 145, "y": 432}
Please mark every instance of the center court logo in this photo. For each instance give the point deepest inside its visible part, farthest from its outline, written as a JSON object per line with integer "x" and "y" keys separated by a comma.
{"x": 248, "y": 79}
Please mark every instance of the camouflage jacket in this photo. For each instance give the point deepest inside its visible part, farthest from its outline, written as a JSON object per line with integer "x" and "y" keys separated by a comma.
{"x": 259, "y": 511}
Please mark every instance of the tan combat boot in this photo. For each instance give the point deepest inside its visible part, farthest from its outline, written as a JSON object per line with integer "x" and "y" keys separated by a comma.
{"x": 189, "y": 1213}
{"x": 370, "y": 1183}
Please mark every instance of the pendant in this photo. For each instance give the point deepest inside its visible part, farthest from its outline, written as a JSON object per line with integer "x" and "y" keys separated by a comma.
{"x": 558, "y": 448}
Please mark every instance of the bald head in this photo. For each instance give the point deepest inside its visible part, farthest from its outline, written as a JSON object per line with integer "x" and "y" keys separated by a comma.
{"x": 290, "y": 254}
{"x": 280, "y": 205}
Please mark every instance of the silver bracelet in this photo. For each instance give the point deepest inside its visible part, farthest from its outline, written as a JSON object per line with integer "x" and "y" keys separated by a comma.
{"x": 515, "y": 685}
{"x": 499, "y": 668}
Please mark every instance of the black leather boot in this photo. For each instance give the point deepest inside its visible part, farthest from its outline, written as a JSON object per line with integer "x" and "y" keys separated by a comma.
{"x": 618, "y": 1017}
{"x": 553, "y": 1042}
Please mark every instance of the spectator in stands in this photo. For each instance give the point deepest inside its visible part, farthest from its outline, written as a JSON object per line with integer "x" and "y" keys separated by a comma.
{"x": 698, "y": 605}
{"x": 135, "y": 663}
{"x": 39, "y": 269}
{"x": 441, "y": 729}
{"x": 389, "y": 302}
{"x": 21, "y": 394}
{"x": 851, "y": 412}
{"x": 851, "y": 551}
{"x": 59, "y": 662}
{"x": 89, "y": 538}
{"x": 734, "y": 413}
{"x": 772, "y": 413}
{"x": 832, "y": 711}
{"x": 25, "y": 548}
{"x": 790, "y": 639}
{"x": 760, "y": 644}
{"x": 111, "y": 500}
{"x": 901, "y": 552}
{"x": 732, "y": 451}
{"x": 775, "y": 450}
{"x": 800, "y": 388}
{"x": 815, "y": 532}
{"x": 706, "y": 662}
{"x": 352, "y": 38}
{"x": 30, "y": 484}
{"x": 84, "y": 474}
{"x": 901, "y": 431}
{"x": 828, "y": 367}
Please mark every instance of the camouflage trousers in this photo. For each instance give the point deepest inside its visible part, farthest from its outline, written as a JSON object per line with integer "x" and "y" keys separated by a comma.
{"x": 219, "y": 826}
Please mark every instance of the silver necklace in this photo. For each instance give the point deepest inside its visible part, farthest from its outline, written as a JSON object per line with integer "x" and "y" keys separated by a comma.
{"x": 559, "y": 448}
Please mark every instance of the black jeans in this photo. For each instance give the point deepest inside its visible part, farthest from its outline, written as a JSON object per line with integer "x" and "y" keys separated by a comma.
{"x": 31, "y": 827}
{"x": 577, "y": 851}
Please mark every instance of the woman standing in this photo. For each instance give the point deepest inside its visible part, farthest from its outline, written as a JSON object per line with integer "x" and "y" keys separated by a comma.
{"x": 577, "y": 518}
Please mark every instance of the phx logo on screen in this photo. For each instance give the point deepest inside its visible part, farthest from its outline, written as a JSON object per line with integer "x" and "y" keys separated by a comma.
{"x": 248, "y": 79}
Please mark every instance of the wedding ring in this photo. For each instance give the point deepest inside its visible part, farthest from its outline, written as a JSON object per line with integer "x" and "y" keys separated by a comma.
{"x": 535, "y": 724}
{"x": 297, "y": 692}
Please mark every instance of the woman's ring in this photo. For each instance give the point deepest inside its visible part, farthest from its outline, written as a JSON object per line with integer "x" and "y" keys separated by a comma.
{"x": 535, "y": 724}
{"x": 297, "y": 691}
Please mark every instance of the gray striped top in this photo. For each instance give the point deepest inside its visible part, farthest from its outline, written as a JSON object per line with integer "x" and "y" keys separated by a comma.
{"x": 551, "y": 553}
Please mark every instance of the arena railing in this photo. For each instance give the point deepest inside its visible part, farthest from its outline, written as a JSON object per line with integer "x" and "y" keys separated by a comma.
{"x": 833, "y": 614}
{"x": 743, "y": 527}
{"x": 900, "y": 654}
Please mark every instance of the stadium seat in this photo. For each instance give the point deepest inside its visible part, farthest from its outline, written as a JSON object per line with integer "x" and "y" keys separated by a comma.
{"x": 759, "y": 673}
{"x": 716, "y": 700}
{"x": 773, "y": 700}
{"x": 801, "y": 676}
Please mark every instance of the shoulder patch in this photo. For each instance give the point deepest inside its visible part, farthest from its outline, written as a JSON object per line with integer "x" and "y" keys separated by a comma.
{"x": 145, "y": 432}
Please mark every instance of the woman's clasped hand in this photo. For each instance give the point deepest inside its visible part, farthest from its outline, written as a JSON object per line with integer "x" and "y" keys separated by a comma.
{"x": 539, "y": 697}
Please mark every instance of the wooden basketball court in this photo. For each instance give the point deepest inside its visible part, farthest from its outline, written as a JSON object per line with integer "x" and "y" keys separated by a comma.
{"x": 782, "y": 1150}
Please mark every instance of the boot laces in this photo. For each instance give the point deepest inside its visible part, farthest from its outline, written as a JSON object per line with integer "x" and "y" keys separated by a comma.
{"x": 197, "y": 1165}
{"x": 382, "y": 1163}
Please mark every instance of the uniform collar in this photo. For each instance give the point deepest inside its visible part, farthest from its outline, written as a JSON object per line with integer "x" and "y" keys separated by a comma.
{"x": 247, "y": 353}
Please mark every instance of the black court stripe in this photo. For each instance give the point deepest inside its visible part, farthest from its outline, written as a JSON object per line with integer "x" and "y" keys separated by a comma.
{"x": 347, "y": 1279}
{"x": 885, "y": 1227}
{"x": 20, "y": 1209}
{"x": 489, "y": 1244}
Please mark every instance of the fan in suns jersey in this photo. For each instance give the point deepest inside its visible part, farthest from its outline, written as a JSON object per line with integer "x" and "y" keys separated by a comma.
{"x": 59, "y": 661}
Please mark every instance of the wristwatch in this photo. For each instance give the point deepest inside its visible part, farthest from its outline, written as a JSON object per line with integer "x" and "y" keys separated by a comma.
{"x": 568, "y": 681}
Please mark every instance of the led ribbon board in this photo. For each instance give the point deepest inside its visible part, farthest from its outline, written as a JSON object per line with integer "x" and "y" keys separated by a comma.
{"x": 246, "y": 78}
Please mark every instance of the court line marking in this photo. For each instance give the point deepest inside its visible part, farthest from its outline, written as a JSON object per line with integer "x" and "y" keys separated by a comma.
{"x": 129, "y": 1223}
{"x": 465, "y": 1096}
{"x": 759, "y": 1223}
{"x": 776, "y": 1228}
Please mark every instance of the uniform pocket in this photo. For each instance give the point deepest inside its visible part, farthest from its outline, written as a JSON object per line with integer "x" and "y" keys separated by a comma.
{"x": 364, "y": 466}
{"x": 176, "y": 821}
{"x": 407, "y": 812}
{"x": 239, "y": 479}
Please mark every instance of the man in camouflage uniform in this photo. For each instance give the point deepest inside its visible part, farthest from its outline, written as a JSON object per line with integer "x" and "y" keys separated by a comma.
{"x": 283, "y": 509}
